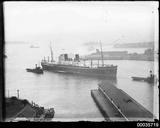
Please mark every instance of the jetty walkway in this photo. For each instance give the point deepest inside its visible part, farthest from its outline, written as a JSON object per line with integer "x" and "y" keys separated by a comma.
{"x": 116, "y": 105}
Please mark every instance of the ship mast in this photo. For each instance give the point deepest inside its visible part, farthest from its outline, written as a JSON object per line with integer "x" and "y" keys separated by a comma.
{"x": 51, "y": 53}
{"x": 102, "y": 55}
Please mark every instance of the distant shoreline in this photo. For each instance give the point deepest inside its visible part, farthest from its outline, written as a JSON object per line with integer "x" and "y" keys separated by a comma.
{"x": 135, "y": 45}
{"x": 118, "y": 59}
{"x": 15, "y": 42}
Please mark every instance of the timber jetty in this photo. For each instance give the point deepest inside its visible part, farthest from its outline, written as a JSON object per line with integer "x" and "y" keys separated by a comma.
{"x": 116, "y": 105}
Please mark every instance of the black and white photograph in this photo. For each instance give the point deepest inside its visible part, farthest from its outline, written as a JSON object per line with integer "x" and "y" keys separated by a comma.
{"x": 81, "y": 61}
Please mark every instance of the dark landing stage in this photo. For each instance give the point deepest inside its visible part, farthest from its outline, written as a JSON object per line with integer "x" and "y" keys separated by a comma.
{"x": 116, "y": 105}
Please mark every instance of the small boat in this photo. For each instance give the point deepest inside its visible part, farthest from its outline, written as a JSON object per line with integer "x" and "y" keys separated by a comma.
{"x": 49, "y": 113}
{"x": 32, "y": 46}
{"x": 149, "y": 79}
{"x": 37, "y": 70}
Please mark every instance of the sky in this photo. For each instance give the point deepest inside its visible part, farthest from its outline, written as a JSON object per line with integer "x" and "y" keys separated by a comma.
{"x": 74, "y": 25}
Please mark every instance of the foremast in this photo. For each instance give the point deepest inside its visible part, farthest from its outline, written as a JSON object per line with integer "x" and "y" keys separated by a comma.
{"x": 52, "y": 60}
{"x": 102, "y": 55}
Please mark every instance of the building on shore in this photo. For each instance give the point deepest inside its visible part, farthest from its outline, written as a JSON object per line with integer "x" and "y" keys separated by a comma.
{"x": 148, "y": 55}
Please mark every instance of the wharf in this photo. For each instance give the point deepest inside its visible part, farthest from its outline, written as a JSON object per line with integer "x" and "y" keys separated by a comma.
{"x": 107, "y": 109}
{"x": 118, "y": 105}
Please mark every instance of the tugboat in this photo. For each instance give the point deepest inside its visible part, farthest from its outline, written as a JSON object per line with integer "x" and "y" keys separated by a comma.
{"x": 149, "y": 79}
{"x": 37, "y": 70}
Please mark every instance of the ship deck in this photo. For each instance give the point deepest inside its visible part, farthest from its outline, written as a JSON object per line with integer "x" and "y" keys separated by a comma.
{"x": 77, "y": 66}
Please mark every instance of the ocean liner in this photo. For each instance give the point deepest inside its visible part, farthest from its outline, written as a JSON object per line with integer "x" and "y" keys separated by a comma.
{"x": 75, "y": 66}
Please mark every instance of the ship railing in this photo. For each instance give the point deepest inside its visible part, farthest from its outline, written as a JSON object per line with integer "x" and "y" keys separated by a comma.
{"x": 109, "y": 65}
{"x": 100, "y": 66}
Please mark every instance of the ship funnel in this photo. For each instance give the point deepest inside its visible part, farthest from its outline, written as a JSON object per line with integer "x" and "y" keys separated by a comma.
{"x": 65, "y": 57}
{"x": 76, "y": 57}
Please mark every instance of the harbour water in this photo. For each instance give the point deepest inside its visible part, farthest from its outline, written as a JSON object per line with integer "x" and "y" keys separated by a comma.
{"x": 70, "y": 94}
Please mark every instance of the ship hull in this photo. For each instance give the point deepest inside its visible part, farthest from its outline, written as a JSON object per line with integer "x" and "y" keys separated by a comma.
{"x": 148, "y": 79}
{"x": 110, "y": 71}
{"x": 40, "y": 71}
